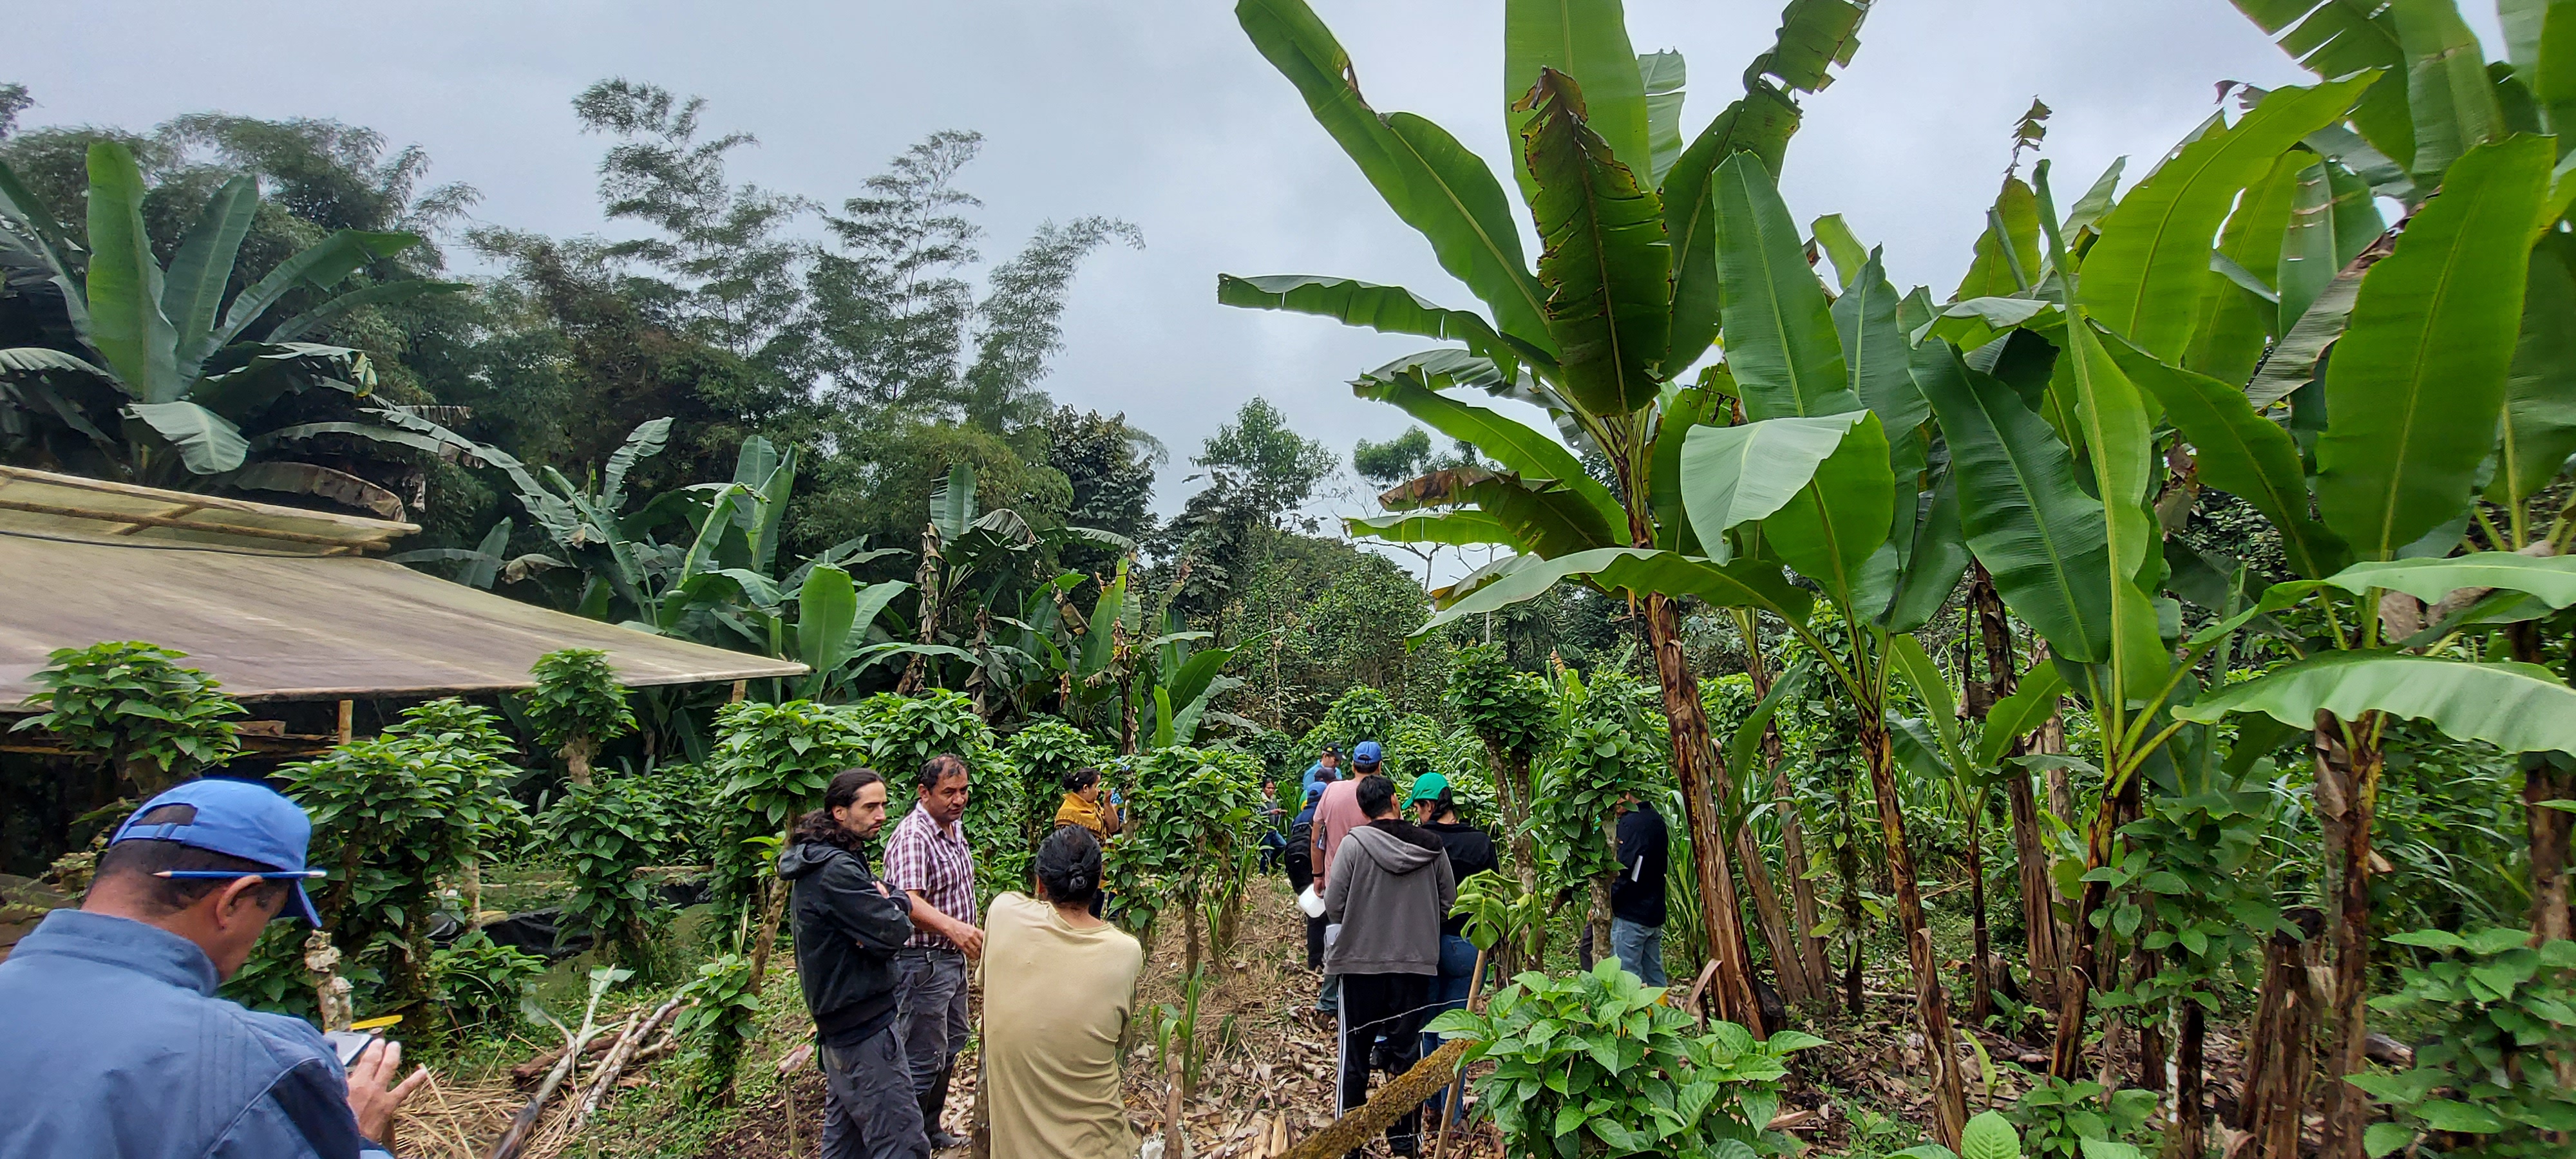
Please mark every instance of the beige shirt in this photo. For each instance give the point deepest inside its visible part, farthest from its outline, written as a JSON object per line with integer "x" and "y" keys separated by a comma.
{"x": 1057, "y": 1003}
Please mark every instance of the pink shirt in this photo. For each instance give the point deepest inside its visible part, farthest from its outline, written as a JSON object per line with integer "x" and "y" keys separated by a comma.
{"x": 1336, "y": 814}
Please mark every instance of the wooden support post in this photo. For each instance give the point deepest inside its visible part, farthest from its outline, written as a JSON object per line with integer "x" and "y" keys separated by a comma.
{"x": 348, "y": 720}
{"x": 1458, "y": 1082}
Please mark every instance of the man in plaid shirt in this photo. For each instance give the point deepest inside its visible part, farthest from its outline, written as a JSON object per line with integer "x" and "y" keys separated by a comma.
{"x": 927, "y": 858}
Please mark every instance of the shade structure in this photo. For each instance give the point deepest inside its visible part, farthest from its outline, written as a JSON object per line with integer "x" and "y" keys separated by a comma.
{"x": 286, "y": 627}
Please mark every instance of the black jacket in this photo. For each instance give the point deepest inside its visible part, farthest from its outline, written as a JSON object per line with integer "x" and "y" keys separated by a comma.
{"x": 846, "y": 938}
{"x": 1301, "y": 853}
{"x": 1638, "y": 895}
{"x": 1470, "y": 852}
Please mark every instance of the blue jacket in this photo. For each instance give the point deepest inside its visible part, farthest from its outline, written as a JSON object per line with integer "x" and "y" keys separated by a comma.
{"x": 118, "y": 1047}
{"x": 1315, "y": 776}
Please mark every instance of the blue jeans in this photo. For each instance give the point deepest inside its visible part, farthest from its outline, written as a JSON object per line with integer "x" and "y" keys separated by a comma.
{"x": 1449, "y": 992}
{"x": 1640, "y": 949}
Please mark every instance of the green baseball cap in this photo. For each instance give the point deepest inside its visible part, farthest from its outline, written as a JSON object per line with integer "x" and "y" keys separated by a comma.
{"x": 1428, "y": 787}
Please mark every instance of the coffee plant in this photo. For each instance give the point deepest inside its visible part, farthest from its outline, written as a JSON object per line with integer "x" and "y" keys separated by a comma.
{"x": 132, "y": 704}
{"x": 576, "y": 706}
{"x": 1043, "y": 751}
{"x": 2487, "y": 1082}
{"x": 1190, "y": 825}
{"x": 477, "y": 979}
{"x": 1597, "y": 1064}
{"x": 605, "y": 831}
{"x": 723, "y": 1017}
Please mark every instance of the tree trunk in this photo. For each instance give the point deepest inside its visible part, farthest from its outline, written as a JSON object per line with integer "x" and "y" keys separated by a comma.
{"x": 1847, "y": 864}
{"x": 2075, "y": 986}
{"x": 1931, "y": 1005}
{"x": 1797, "y": 957}
{"x": 2150, "y": 1074}
{"x": 2347, "y": 793}
{"x": 2190, "y": 1138}
{"x": 1596, "y": 918}
{"x": 2547, "y": 828}
{"x": 1981, "y": 973}
{"x": 576, "y": 758}
{"x": 1701, "y": 774}
{"x": 2030, "y": 855}
{"x": 916, "y": 671}
{"x": 2280, "y": 1048}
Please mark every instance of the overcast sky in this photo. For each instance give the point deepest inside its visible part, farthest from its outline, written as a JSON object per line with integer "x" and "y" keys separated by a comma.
{"x": 1159, "y": 112}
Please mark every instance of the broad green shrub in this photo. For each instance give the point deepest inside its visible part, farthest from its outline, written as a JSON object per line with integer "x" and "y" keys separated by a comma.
{"x": 1043, "y": 752}
{"x": 773, "y": 762}
{"x": 2070, "y": 1120}
{"x": 477, "y": 979}
{"x": 1596, "y": 1064}
{"x": 1506, "y": 708}
{"x": 899, "y": 733}
{"x": 1190, "y": 832}
{"x": 604, "y": 831}
{"x": 130, "y": 703}
{"x": 1363, "y": 713}
{"x": 576, "y": 706}
{"x": 2485, "y": 1081}
{"x": 724, "y": 1017}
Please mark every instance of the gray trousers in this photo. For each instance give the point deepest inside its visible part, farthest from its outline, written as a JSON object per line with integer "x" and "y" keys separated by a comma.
{"x": 930, "y": 1012}
{"x": 869, "y": 1109}
{"x": 1640, "y": 949}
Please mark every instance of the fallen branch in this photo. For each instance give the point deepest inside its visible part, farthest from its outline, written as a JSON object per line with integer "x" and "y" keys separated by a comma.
{"x": 575, "y": 1044}
{"x": 536, "y": 1068}
{"x": 622, "y": 1053}
{"x": 1352, "y": 1131}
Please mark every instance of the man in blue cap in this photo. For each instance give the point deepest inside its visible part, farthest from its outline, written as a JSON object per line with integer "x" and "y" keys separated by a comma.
{"x": 117, "y": 1045}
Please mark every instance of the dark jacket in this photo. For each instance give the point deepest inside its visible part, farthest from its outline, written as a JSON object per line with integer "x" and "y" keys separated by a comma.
{"x": 1301, "y": 850}
{"x": 1389, "y": 889}
{"x": 1638, "y": 895}
{"x": 1470, "y": 853}
{"x": 846, "y": 938}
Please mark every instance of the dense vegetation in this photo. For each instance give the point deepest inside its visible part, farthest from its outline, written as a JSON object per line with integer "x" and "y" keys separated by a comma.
{"x": 2169, "y": 624}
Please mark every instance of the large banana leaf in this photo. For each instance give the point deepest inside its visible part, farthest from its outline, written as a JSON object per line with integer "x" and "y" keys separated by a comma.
{"x": 1515, "y": 445}
{"x": 1606, "y": 264}
{"x": 2023, "y": 513}
{"x": 1735, "y": 475}
{"x": 203, "y": 266}
{"x": 2240, "y": 311}
{"x": 2448, "y": 93}
{"x": 952, "y": 502}
{"x": 1665, "y": 76}
{"x": 1461, "y": 527}
{"x": 2008, "y": 257}
{"x": 1780, "y": 338}
{"x": 1834, "y": 530}
{"x": 2552, "y": 579}
{"x": 208, "y": 442}
{"x": 1875, "y": 350}
{"x": 1426, "y": 177}
{"x": 2241, "y": 453}
{"x": 1191, "y": 678}
{"x": 1938, "y": 558}
{"x": 1385, "y": 309}
{"x": 645, "y": 441}
{"x": 1588, "y": 41}
{"x": 2332, "y": 220}
{"x": 2539, "y": 428}
{"x": 2418, "y": 378}
{"x": 1760, "y": 124}
{"x": 2146, "y": 275}
{"x": 1814, "y": 37}
{"x": 1542, "y": 515}
{"x": 126, "y": 325}
{"x": 2336, "y": 38}
{"x": 2030, "y": 706}
{"x": 321, "y": 265}
{"x": 827, "y": 609}
{"x": 382, "y": 293}
{"x": 1641, "y": 572}
{"x": 2519, "y": 708}
{"x": 1682, "y": 410}
{"x": 2115, "y": 420}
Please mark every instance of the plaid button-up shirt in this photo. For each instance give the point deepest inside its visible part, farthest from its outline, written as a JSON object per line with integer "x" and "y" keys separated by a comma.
{"x": 935, "y": 862}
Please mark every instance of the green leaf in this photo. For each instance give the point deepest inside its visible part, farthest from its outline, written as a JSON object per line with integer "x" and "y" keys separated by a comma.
{"x": 1428, "y": 179}
{"x": 1906, "y": 656}
{"x": 2332, "y": 219}
{"x": 2539, "y": 428}
{"x": 952, "y": 502}
{"x": 826, "y": 609}
{"x": 1780, "y": 337}
{"x": 1641, "y": 571}
{"x": 1544, "y": 516}
{"x": 2239, "y": 452}
{"x": 1736, "y": 475}
{"x": 2552, "y": 578}
{"x": 208, "y": 442}
{"x": 2515, "y": 707}
{"x": 1834, "y": 236}
{"x": 1760, "y": 124}
{"x": 2033, "y": 701}
{"x": 645, "y": 441}
{"x": 203, "y": 267}
{"x": 1517, "y": 446}
{"x": 126, "y": 325}
{"x": 2145, "y": 277}
{"x": 1606, "y": 265}
{"x": 2381, "y": 1139}
{"x": 1989, "y": 1136}
{"x": 1875, "y": 349}
{"x": 1460, "y": 527}
{"x": 1682, "y": 410}
{"x": 2419, "y": 376}
{"x": 1588, "y": 41}
{"x": 1939, "y": 557}
{"x": 2008, "y": 259}
{"x": 2025, "y": 517}
{"x": 2240, "y": 310}
{"x": 1664, "y": 76}
{"x": 382, "y": 293}
{"x": 321, "y": 265}
{"x": 2466, "y": 1118}
{"x": 1385, "y": 309}
{"x": 1834, "y": 530}
{"x": 2448, "y": 92}
{"x": 1814, "y": 36}
{"x": 2118, "y": 441}
{"x": 1744, "y": 748}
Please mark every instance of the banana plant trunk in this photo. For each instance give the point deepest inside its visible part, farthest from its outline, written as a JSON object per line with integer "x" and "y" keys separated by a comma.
{"x": 1931, "y": 1005}
{"x": 2191, "y": 1100}
{"x": 2347, "y": 794}
{"x": 1798, "y": 958}
{"x": 2077, "y": 981}
{"x": 1696, "y": 766}
{"x": 2547, "y": 828}
{"x": 2280, "y": 1043}
{"x": 916, "y": 672}
{"x": 1981, "y": 973}
{"x": 2030, "y": 856}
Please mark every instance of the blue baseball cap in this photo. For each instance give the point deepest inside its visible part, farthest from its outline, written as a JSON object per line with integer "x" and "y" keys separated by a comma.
{"x": 1367, "y": 753}
{"x": 241, "y": 819}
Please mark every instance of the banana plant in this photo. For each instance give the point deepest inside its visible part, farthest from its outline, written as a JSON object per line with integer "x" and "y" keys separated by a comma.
{"x": 970, "y": 556}
{"x": 1601, "y": 334}
{"x": 175, "y": 384}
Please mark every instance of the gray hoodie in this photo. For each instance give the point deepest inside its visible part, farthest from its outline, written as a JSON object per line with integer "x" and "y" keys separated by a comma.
{"x": 1390, "y": 885}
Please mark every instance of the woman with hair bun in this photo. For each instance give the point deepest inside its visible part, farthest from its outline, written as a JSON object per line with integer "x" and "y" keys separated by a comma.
{"x": 1059, "y": 1007}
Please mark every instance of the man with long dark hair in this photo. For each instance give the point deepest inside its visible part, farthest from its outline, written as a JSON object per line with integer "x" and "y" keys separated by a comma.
{"x": 849, "y": 927}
